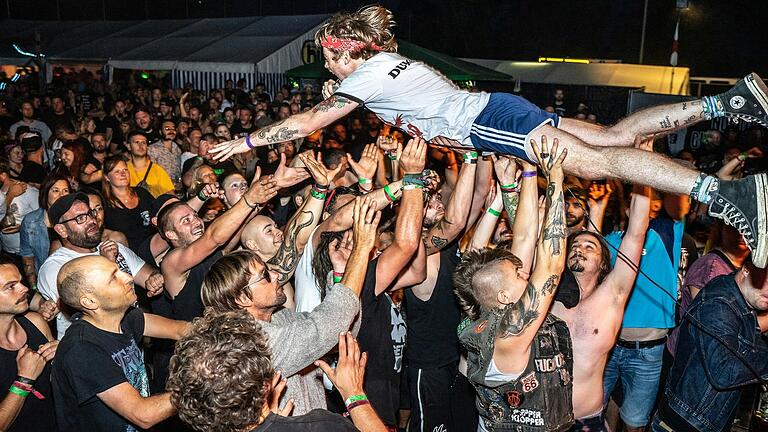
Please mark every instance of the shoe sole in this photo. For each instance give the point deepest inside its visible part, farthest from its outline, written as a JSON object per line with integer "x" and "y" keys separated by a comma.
{"x": 759, "y": 90}
{"x": 760, "y": 254}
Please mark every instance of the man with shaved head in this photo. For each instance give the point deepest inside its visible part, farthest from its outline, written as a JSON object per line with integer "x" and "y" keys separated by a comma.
{"x": 112, "y": 392}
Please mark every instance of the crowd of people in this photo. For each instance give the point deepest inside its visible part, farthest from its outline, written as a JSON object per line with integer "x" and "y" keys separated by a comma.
{"x": 237, "y": 260}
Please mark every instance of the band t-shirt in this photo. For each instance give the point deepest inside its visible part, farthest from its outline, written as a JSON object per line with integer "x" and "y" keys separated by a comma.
{"x": 412, "y": 96}
{"x": 90, "y": 361}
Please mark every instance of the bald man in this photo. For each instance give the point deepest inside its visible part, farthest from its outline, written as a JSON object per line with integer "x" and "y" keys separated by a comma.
{"x": 112, "y": 392}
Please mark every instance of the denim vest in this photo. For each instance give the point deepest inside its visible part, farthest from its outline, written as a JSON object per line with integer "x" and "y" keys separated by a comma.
{"x": 33, "y": 237}
{"x": 706, "y": 380}
{"x": 540, "y": 399}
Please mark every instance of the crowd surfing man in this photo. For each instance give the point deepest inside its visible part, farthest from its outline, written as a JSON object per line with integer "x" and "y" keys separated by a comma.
{"x": 360, "y": 49}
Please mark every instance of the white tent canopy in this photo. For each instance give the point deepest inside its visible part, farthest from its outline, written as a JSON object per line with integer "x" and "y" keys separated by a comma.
{"x": 203, "y": 51}
{"x": 653, "y": 79}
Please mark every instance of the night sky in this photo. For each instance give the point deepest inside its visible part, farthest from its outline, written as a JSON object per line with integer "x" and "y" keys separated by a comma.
{"x": 720, "y": 38}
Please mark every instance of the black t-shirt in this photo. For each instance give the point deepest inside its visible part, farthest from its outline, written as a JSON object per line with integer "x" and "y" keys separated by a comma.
{"x": 53, "y": 119}
{"x": 317, "y": 420}
{"x": 135, "y": 222}
{"x": 188, "y": 305}
{"x": 90, "y": 361}
{"x": 237, "y": 130}
{"x": 382, "y": 336}
{"x": 432, "y": 338}
{"x": 36, "y": 414}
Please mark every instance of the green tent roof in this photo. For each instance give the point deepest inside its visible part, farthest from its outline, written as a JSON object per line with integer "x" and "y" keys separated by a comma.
{"x": 452, "y": 67}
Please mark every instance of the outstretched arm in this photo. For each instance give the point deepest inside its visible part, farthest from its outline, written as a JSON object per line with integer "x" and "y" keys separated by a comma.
{"x": 455, "y": 218}
{"x": 522, "y": 319}
{"x": 295, "y": 126}
{"x": 622, "y": 278}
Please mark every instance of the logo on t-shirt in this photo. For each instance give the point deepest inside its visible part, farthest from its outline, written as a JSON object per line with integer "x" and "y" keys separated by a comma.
{"x": 403, "y": 65}
{"x": 131, "y": 361}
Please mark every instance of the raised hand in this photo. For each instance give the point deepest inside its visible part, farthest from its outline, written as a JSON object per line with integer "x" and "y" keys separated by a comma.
{"x": 365, "y": 221}
{"x": 506, "y": 169}
{"x": 319, "y": 172}
{"x": 414, "y": 156}
{"x": 262, "y": 189}
{"x": 154, "y": 284}
{"x": 29, "y": 364}
{"x": 599, "y": 192}
{"x": 48, "y": 309}
{"x": 211, "y": 190}
{"x": 287, "y": 176}
{"x": 108, "y": 249}
{"x": 350, "y": 370}
{"x": 339, "y": 252}
{"x": 551, "y": 163}
{"x": 329, "y": 88}
{"x": 366, "y": 166}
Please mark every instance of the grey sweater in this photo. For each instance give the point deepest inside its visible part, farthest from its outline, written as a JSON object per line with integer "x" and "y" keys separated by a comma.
{"x": 298, "y": 339}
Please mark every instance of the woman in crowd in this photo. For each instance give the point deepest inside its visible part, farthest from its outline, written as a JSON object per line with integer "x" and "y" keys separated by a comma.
{"x": 15, "y": 156}
{"x": 73, "y": 157}
{"x": 126, "y": 209}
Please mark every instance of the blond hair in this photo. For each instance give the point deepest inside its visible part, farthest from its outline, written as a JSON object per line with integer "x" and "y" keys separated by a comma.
{"x": 371, "y": 25}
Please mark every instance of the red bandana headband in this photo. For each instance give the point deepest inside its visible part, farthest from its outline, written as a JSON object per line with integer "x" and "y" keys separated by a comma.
{"x": 346, "y": 44}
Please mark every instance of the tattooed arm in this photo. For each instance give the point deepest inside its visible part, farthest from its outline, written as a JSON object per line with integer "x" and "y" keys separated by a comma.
{"x": 456, "y": 212}
{"x": 522, "y": 319}
{"x": 300, "y": 226}
{"x": 295, "y": 126}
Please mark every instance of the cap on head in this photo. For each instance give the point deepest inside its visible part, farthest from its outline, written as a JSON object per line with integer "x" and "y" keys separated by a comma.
{"x": 63, "y": 204}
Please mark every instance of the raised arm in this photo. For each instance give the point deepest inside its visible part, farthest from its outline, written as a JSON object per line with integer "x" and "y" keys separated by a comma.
{"x": 521, "y": 204}
{"x": 305, "y": 219}
{"x": 485, "y": 227}
{"x": 296, "y": 126}
{"x": 599, "y": 195}
{"x": 621, "y": 279}
{"x": 341, "y": 220}
{"x": 457, "y": 210}
{"x": 409, "y": 218}
{"x": 144, "y": 412}
{"x": 522, "y": 319}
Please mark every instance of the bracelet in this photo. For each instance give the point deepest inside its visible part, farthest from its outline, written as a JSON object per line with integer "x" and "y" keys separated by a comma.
{"x": 25, "y": 380}
{"x": 245, "y": 200}
{"x": 527, "y": 174}
{"x": 510, "y": 188}
{"x": 201, "y": 196}
{"x": 17, "y": 391}
{"x": 494, "y": 212}
{"x": 28, "y": 388}
{"x": 413, "y": 180}
{"x": 355, "y": 398}
{"x": 390, "y": 196}
{"x": 248, "y": 141}
{"x": 357, "y": 404}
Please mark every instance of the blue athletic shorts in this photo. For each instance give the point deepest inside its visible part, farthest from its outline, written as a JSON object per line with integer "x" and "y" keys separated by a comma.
{"x": 505, "y": 126}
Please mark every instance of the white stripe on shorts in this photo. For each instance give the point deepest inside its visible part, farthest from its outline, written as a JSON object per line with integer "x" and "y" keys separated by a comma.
{"x": 498, "y": 131}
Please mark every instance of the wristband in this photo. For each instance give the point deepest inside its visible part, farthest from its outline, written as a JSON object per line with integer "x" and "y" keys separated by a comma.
{"x": 355, "y": 398}
{"x": 17, "y": 391}
{"x": 742, "y": 156}
{"x": 201, "y": 196}
{"x": 337, "y": 276}
{"x": 319, "y": 191}
{"x": 392, "y": 155}
{"x": 412, "y": 180}
{"x": 357, "y": 404}
{"x": 363, "y": 180}
{"x": 321, "y": 188}
{"x": 24, "y": 380}
{"x": 248, "y": 141}
{"x": 510, "y": 188}
{"x": 470, "y": 157}
{"x": 527, "y": 174}
{"x": 28, "y": 388}
{"x": 390, "y": 196}
{"x": 494, "y": 212}
{"x": 245, "y": 200}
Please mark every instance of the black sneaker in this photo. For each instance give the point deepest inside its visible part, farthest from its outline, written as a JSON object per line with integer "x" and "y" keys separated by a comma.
{"x": 743, "y": 204}
{"x": 747, "y": 100}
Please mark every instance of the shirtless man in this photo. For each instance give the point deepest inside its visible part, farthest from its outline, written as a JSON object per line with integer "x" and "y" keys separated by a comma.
{"x": 360, "y": 49}
{"x": 596, "y": 320}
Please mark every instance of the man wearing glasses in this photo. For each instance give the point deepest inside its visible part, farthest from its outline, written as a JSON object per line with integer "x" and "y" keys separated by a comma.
{"x": 76, "y": 224}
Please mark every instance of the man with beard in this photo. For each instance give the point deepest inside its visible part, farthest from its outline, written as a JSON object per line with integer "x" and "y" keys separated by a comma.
{"x": 576, "y": 213}
{"x": 245, "y": 126}
{"x": 28, "y": 120}
{"x": 92, "y": 175}
{"x": 244, "y": 281}
{"x": 143, "y": 171}
{"x": 165, "y": 152}
{"x": 75, "y": 223}
{"x": 194, "y": 248}
{"x": 595, "y": 321}
{"x": 145, "y": 123}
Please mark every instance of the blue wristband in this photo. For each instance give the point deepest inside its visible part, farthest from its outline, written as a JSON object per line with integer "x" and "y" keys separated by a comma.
{"x": 248, "y": 141}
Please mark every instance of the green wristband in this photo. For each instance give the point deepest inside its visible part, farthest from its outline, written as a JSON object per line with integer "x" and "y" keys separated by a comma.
{"x": 17, "y": 391}
{"x": 317, "y": 195}
{"x": 390, "y": 196}
{"x": 355, "y": 398}
{"x": 494, "y": 212}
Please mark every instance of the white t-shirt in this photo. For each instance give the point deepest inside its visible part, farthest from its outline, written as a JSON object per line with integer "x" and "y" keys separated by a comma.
{"x": 495, "y": 377}
{"x": 18, "y": 208}
{"x": 306, "y": 292}
{"x": 46, "y": 278}
{"x": 414, "y": 97}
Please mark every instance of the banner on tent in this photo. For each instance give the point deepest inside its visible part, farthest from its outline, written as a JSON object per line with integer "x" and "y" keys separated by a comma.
{"x": 212, "y": 80}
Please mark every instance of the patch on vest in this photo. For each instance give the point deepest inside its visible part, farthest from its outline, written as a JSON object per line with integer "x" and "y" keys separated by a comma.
{"x": 530, "y": 383}
{"x": 514, "y": 399}
{"x": 565, "y": 376}
{"x": 480, "y": 327}
{"x": 549, "y": 364}
{"x": 527, "y": 417}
